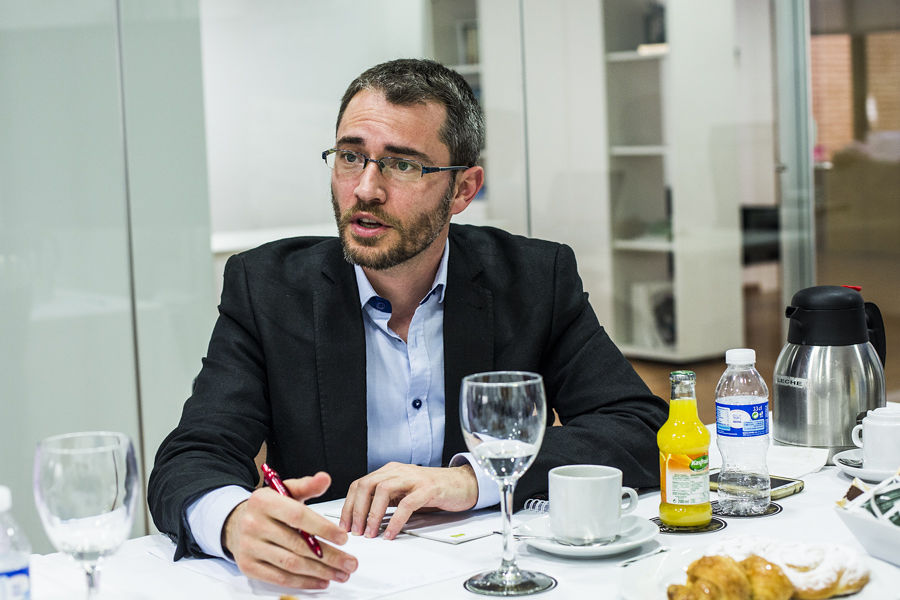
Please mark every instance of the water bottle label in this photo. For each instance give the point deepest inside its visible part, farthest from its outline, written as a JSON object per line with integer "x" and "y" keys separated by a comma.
{"x": 14, "y": 585}
{"x": 742, "y": 420}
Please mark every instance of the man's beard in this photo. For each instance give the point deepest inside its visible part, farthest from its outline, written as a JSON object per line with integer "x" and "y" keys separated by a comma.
{"x": 414, "y": 237}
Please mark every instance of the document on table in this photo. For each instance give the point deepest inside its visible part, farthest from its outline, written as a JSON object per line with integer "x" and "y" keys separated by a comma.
{"x": 448, "y": 527}
{"x": 385, "y": 567}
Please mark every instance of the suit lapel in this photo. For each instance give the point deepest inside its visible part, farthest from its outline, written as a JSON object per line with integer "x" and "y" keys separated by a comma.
{"x": 341, "y": 370}
{"x": 468, "y": 337}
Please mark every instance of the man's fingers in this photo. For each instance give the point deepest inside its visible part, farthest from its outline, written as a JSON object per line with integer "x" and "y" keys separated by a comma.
{"x": 359, "y": 499}
{"x": 403, "y": 512}
{"x": 297, "y": 516}
{"x": 289, "y": 570}
{"x": 381, "y": 500}
{"x": 304, "y": 488}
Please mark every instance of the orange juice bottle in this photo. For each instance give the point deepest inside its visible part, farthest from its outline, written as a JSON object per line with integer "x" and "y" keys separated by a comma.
{"x": 683, "y": 458}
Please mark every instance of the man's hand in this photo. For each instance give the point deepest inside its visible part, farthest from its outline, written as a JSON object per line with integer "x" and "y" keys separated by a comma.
{"x": 409, "y": 488}
{"x": 262, "y": 535}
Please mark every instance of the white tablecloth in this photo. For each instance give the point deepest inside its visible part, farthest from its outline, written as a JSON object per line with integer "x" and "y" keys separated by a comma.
{"x": 411, "y": 567}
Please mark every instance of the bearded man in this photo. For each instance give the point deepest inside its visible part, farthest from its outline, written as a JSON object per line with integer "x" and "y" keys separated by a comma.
{"x": 345, "y": 355}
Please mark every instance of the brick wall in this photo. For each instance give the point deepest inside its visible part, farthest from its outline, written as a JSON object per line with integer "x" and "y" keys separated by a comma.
{"x": 883, "y": 78}
{"x": 832, "y": 98}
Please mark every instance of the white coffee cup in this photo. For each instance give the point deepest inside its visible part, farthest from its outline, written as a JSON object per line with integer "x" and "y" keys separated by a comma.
{"x": 879, "y": 437}
{"x": 586, "y": 503}
{"x": 892, "y": 412}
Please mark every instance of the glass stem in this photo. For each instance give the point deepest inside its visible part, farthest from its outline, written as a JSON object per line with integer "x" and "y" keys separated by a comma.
{"x": 508, "y": 566}
{"x": 93, "y": 580}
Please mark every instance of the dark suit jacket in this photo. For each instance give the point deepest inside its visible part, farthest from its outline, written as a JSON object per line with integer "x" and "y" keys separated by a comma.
{"x": 286, "y": 365}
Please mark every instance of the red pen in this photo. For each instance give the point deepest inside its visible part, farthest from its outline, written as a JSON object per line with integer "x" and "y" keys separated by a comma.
{"x": 274, "y": 481}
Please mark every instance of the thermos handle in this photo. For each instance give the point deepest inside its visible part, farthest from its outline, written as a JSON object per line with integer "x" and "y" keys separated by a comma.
{"x": 875, "y": 325}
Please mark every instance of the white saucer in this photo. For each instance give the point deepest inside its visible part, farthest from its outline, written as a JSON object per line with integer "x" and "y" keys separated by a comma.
{"x": 635, "y": 531}
{"x": 870, "y": 475}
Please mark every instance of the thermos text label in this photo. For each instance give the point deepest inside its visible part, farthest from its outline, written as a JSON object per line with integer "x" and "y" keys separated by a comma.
{"x": 794, "y": 382}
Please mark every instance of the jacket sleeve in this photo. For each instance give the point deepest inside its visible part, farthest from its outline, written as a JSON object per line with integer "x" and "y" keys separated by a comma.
{"x": 608, "y": 414}
{"x": 223, "y": 423}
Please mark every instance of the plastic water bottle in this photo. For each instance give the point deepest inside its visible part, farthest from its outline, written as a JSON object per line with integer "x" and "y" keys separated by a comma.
{"x": 14, "y": 553}
{"x": 742, "y": 428}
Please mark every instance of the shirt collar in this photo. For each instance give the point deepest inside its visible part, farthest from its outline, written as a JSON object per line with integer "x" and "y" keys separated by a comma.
{"x": 367, "y": 292}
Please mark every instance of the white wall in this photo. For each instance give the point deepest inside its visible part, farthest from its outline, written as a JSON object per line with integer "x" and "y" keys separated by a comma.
{"x": 755, "y": 126}
{"x": 273, "y": 77}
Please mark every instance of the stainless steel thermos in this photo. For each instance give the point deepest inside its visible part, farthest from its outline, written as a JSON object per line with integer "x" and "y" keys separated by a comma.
{"x": 831, "y": 371}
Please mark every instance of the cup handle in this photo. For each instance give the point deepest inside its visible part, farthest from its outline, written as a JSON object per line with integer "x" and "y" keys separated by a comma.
{"x": 632, "y": 500}
{"x": 856, "y": 435}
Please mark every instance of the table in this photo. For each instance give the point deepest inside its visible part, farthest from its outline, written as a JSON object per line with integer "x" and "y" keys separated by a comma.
{"x": 411, "y": 567}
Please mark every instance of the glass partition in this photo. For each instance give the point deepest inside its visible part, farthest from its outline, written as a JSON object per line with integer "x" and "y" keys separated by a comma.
{"x": 855, "y": 89}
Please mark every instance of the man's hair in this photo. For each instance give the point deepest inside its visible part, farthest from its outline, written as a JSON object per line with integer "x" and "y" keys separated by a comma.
{"x": 409, "y": 81}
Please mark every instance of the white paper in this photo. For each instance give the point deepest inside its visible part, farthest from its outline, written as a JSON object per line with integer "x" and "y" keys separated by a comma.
{"x": 787, "y": 461}
{"x": 447, "y": 527}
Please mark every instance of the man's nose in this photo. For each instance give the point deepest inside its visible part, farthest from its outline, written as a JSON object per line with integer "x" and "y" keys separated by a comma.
{"x": 370, "y": 187}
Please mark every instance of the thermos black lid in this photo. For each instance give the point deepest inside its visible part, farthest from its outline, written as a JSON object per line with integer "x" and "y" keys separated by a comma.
{"x": 827, "y": 315}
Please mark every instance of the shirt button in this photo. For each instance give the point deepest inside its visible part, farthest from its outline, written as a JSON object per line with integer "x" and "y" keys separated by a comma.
{"x": 417, "y": 404}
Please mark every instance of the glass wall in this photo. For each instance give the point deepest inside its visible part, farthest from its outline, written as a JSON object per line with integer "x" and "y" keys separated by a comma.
{"x": 855, "y": 77}
{"x": 105, "y": 286}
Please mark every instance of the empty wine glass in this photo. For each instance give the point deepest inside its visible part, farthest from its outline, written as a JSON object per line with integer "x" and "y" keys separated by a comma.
{"x": 503, "y": 416}
{"x": 85, "y": 488}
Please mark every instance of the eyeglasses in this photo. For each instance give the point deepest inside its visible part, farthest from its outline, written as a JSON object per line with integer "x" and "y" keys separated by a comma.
{"x": 347, "y": 163}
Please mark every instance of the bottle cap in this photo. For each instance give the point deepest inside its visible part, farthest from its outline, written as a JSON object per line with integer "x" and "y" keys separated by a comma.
{"x": 740, "y": 356}
{"x": 5, "y": 499}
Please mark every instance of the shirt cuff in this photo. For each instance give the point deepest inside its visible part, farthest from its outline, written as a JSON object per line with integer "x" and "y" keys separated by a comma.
{"x": 488, "y": 490}
{"x": 206, "y": 517}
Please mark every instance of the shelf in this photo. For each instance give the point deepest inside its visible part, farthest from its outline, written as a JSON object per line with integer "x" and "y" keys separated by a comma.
{"x": 645, "y": 244}
{"x": 644, "y": 53}
{"x": 667, "y": 354}
{"x": 640, "y": 150}
{"x": 468, "y": 69}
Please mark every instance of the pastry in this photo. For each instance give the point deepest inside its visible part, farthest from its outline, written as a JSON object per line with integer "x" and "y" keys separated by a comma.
{"x": 720, "y": 577}
{"x": 817, "y": 571}
{"x": 712, "y": 578}
{"x": 767, "y": 580}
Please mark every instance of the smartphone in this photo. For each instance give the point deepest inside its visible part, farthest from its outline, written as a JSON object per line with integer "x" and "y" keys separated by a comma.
{"x": 780, "y": 486}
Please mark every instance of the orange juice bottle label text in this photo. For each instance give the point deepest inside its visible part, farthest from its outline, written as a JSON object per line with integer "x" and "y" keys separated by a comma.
{"x": 685, "y": 478}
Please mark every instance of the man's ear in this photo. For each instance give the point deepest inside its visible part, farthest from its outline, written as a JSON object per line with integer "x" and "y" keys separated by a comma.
{"x": 467, "y": 184}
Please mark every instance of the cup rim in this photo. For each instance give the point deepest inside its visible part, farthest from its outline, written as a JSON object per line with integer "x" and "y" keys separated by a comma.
{"x": 526, "y": 378}
{"x": 608, "y": 471}
{"x": 112, "y": 439}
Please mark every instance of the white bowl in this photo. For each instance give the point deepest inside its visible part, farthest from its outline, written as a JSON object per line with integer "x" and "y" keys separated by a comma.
{"x": 881, "y": 539}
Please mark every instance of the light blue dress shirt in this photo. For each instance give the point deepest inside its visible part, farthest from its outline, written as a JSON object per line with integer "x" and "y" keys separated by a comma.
{"x": 404, "y": 400}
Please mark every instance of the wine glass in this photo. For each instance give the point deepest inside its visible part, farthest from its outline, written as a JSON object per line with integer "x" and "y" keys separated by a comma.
{"x": 503, "y": 416}
{"x": 85, "y": 488}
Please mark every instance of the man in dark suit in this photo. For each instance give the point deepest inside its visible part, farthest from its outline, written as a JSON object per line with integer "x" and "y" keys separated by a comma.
{"x": 345, "y": 355}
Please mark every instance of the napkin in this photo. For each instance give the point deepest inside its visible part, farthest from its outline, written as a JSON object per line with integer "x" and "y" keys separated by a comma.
{"x": 787, "y": 461}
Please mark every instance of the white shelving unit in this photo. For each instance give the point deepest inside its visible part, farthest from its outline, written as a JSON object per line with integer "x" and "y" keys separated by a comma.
{"x": 454, "y": 36}
{"x": 674, "y": 217}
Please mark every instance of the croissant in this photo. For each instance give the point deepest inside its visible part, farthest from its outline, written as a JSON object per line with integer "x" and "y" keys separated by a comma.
{"x": 816, "y": 570}
{"x": 723, "y": 578}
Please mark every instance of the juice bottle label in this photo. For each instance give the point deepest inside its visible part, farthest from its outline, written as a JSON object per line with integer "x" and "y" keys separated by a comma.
{"x": 742, "y": 420}
{"x": 685, "y": 479}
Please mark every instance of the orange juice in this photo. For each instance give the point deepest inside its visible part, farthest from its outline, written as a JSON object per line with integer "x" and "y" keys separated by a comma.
{"x": 683, "y": 458}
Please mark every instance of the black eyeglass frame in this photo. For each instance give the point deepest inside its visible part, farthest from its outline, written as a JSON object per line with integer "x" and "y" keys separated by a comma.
{"x": 366, "y": 160}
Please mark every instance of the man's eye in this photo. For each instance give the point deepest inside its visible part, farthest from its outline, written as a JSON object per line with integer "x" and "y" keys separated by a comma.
{"x": 348, "y": 157}
{"x": 402, "y": 165}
